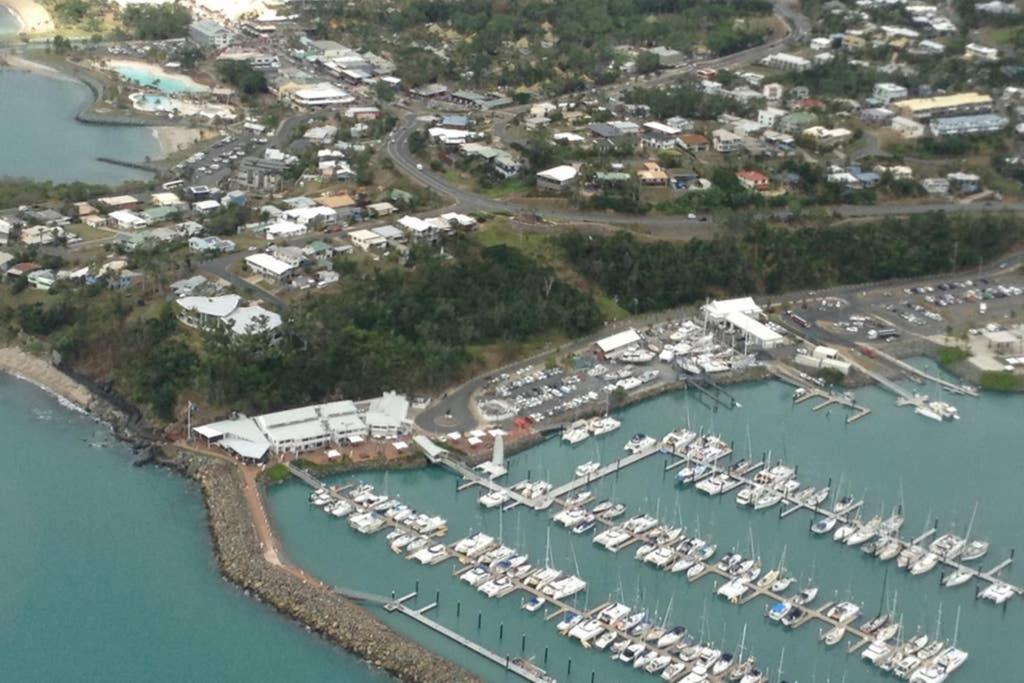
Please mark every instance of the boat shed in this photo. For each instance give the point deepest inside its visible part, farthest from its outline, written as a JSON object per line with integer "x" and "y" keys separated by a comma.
{"x": 742, "y": 314}
{"x": 618, "y": 341}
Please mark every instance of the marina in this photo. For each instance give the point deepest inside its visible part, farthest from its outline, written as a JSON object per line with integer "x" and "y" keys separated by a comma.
{"x": 646, "y": 486}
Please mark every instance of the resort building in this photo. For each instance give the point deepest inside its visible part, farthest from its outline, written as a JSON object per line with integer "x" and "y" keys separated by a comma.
{"x": 966, "y": 125}
{"x": 210, "y": 34}
{"x": 367, "y": 240}
{"x": 320, "y": 95}
{"x": 310, "y": 428}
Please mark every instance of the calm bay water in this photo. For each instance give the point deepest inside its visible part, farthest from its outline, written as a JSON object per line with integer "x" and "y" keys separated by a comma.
{"x": 936, "y": 470}
{"x": 40, "y": 138}
{"x": 108, "y": 573}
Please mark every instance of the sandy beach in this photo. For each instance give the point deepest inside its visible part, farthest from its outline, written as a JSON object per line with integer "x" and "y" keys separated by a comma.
{"x": 152, "y": 70}
{"x": 175, "y": 138}
{"x": 34, "y": 17}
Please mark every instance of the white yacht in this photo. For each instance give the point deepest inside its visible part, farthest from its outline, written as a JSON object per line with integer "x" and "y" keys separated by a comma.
{"x": 948, "y": 546}
{"x": 588, "y": 468}
{"x": 340, "y": 508}
{"x": 603, "y": 425}
{"x": 824, "y": 525}
{"x": 843, "y": 613}
{"x": 958, "y": 578}
{"x": 493, "y": 499}
{"x": 925, "y": 564}
{"x": 974, "y": 550}
{"x": 432, "y": 555}
{"x": 534, "y": 603}
{"x": 998, "y": 592}
{"x": 639, "y": 442}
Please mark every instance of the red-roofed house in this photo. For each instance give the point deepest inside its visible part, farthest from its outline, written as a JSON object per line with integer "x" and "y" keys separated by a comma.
{"x": 754, "y": 180}
{"x": 24, "y": 268}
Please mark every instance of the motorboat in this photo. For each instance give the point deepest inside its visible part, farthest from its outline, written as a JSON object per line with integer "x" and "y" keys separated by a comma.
{"x": 876, "y": 651}
{"x": 695, "y": 571}
{"x": 399, "y": 544}
{"x": 431, "y": 555}
{"x": 588, "y": 468}
{"x": 605, "y": 639}
{"x": 367, "y": 522}
{"x": 692, "y": 472}
{"x": 746, "y": 495}
{"x": 585, "y": 526}
{"x": 496, "y": 587}
{"x": 340, "y": 508}
{"x": 843, "y": 613}
{"x": 948, "y": 546}
{"x": 793, "y": 617}
{"x": 661, "y": 557}
{"x": 603, "y": 425}
{"x": 580, "y": 498}
{"x": 779, "y": 610}
{"x": 834, "y": 635}
{"x": 824, "y": 525}
{"x": 658, "y": 663}
{"x": 639, "y": 442}
{"x": 534, "y": 603}
{"x": 632, "y": 651}
{"x": 493, "y": 499}
{"x": 568, "y": 622}
{"x": 674, "y": 671}
{"x": 577, "y": 432}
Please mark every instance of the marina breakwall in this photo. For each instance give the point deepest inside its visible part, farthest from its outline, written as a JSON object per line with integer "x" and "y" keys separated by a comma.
{"x": 235, "y": 540}
{"x": 241, "y": 558}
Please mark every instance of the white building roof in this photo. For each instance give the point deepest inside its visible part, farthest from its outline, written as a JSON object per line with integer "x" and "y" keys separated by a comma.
{"x": 214, "y": 306}
{"x": 720, "y": 309}
{"x": 268, "y": 263}
{"x": 754, "y": 328}
{"x": 558, "y": 174}
{"x": 253, "y": 320}
{"x": 618, "y": 340}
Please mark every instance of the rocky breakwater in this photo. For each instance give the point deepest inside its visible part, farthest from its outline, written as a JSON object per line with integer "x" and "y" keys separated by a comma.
{"x": 242, "y": 559}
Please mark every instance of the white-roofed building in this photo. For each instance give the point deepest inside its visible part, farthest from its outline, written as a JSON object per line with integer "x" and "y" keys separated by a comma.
{"x": 283, "y": 229}
{"x": 741, "y": 315}
{"x": 320, "y": 95}
{"x": 252, "y": 320}
{"x": 269, "y": 266}
{"x": 557, "y": 178}
{"x": 311, "y": 427}
{"x": 618, "y": 341}
{"x": 204, "y": 312}
{"x": 127, "y": 220}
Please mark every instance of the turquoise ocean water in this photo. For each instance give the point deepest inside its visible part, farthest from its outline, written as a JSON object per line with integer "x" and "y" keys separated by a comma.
{"x": 107, "y": 570}
{"x": 40, "y": 138}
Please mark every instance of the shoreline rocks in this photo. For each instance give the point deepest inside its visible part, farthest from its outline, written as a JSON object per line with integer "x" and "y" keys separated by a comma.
{"x": 335, "y": 617}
